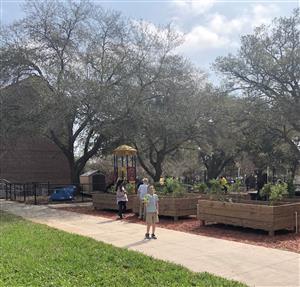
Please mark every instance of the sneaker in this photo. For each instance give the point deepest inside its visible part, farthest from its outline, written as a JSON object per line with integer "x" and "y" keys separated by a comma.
{"x": 147, "y": 236}
{"x": 153, "y": 236}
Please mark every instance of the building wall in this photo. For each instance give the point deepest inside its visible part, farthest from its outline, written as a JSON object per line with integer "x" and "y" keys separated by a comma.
{"x": 33, "y": 160}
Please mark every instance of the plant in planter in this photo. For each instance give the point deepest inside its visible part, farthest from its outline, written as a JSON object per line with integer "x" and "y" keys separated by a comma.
{"x": 174, "y": 200}
{"x": 158, "y": 187}
{"x": 274, "y": 192}
{"x": 200, "y": 187}
{"x": 130, "y": 188}
{"x": 235, "y": 188}
{"x": 112, "y": 189}
{"x": 270, "y": 216}
{"x": 173, "y": 187}
{"x": 215, "y": 190}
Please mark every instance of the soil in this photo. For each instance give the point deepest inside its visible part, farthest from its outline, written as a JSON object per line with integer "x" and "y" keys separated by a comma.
{"x": 284, "y": 240}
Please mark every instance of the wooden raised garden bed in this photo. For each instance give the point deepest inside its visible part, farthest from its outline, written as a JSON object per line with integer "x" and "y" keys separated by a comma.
{"x": 102, "y": 200}
{"x": 174, "y": 206}
{"x": 251, "y": 214}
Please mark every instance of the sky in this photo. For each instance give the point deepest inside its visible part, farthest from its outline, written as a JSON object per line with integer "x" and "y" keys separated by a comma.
{"x": 211, "y": 28}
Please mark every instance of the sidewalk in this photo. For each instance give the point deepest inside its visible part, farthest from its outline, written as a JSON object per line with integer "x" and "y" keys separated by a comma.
{"x": 253, "y": 265}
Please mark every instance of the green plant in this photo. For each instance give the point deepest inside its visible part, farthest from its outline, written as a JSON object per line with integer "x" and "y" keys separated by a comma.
{"x": 216, "y": 190}
{"x": 235, "y": 187}
{"x": 214, "y": 185}
{"x": 159, "y": 187}
{"x": 178, "y": 192}
{"x": 274, "y": 192}
{"x": 112, "y": 189}
{"x": 278, "y": 191}
{"x": 172, "y": 185}
{"x": 200, "y": 187}
{"x": 266, "y": 190}
{"x": 130, "y": 188}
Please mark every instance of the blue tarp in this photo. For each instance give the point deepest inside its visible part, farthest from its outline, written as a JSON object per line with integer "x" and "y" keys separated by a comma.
{"x": 63, "y": 193}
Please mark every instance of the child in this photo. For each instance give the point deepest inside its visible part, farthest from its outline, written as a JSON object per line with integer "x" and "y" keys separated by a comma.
{"x": 151, "y": 203}
{"x": 121, "y": 198}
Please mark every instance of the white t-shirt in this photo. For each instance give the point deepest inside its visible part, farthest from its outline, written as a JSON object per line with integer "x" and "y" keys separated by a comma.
{"x": 142, "y": 191}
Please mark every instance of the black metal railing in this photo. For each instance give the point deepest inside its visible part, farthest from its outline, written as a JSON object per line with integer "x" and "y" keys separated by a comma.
{"x": 40, "y": 192}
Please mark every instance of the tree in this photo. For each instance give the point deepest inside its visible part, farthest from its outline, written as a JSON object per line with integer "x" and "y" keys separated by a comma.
{"x": 78, "y": 52}
{"x": 168, "y": 117}
{"x": 96, "y": 70}
{"x": 262, "y": 139}
{"x": 267, "y": 67}
{"x": 219, "y": 133}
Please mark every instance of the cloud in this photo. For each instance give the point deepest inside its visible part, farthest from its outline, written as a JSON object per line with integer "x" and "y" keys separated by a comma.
{"x": 201, "y": 38}
{"x": 222, "y": 25}
{"x": 263, "y": 14}
{"x": 218, "y": 31}
{"x": 194, "y": 7}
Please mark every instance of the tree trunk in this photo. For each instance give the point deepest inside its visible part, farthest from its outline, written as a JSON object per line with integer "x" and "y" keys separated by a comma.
{"x": 294, "y": 168}
{"x": 215, "y": 165}
{"x": 74, "y": 172}
{"x": 213, "y": 172}
{"x": 158, "y": 173}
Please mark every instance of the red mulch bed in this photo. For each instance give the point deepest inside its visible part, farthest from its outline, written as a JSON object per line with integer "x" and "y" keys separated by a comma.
{"x": 282, "y": 240}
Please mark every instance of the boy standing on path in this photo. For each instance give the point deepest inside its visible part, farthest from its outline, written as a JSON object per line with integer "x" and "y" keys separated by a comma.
{"x": 142, "y": 191}
{"x": 151, "y": 202}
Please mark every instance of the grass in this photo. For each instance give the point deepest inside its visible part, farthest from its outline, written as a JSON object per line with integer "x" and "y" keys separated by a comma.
{"x": 36, "y": 255}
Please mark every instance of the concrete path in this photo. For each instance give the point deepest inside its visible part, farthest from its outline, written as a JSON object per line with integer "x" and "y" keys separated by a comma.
{"x": 253, "y": 265}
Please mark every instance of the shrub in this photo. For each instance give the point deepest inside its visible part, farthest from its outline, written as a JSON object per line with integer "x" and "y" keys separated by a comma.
{"x": 277, "y": 192}
{"x": 130, "y": 188}
{"x": 215, "y": 185}
{"x": 235, "y": 187}
{"x": 178, "y": 192}
{"x": 266, "y": 190}
{"x": 112, "y": 189}
{"x": 200, "y": 187}
{"x": 173, "y": 186}
{"x": 216, "y": 190}
{"x": 158, "y": 187}
{"x": 274, "y": 192}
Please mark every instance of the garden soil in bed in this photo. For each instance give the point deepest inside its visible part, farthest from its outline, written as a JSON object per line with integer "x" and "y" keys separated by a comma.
{"x": 282, "y": 240}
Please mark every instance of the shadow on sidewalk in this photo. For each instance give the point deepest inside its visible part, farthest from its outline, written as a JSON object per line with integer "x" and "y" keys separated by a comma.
{"x": 138, "y": 243}
{"x": 107, "y": 221}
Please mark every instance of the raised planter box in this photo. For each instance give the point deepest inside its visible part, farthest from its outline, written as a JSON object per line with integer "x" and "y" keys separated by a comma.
{"x": 174, "y": 206}
{"x": 102, "y": 200}
{"x": 257, "y": 215}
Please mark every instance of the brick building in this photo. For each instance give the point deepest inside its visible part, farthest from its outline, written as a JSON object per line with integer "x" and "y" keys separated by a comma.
{"x": 33, "y": 160}
{"x": 24, "y": 155}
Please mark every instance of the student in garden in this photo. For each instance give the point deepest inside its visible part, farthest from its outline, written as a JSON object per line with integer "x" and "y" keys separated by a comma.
{"x": 142, "y": 191}
{"x": 151, "y": 203}
{"x": 121, "y": 197}
{"x": 224, "y": 183}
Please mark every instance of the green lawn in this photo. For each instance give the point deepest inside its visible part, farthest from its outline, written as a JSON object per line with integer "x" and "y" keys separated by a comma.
{"x": 36, "y": 255}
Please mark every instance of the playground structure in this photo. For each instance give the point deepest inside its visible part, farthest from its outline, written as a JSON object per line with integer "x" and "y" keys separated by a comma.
{"x": 125, "y": 163}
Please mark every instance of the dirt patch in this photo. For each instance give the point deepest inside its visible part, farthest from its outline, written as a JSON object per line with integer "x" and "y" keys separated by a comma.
{"x": 282, "y": 240}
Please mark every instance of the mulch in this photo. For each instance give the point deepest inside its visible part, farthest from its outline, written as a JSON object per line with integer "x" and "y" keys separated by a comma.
{"x": 284, "y": 240}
